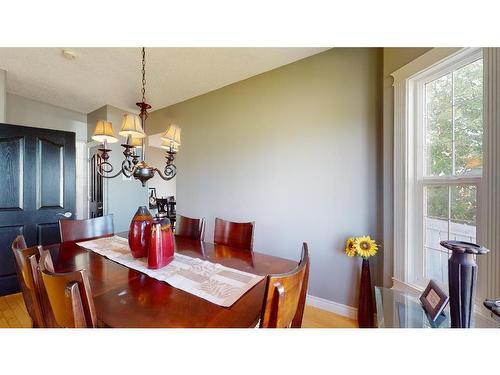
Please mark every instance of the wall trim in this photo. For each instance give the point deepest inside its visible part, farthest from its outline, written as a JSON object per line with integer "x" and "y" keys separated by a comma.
{"x": 3, "y": 96}
{"x": 331, "y": 306}
{"x": 490, "y": 263}
{"x": 423, "y": 62}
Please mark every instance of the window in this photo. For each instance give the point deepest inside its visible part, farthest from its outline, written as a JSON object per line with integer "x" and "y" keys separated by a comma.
{"x": 448, "y": 160}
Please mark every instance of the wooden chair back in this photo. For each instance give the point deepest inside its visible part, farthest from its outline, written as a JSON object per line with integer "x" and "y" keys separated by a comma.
{"x": 68, "y": 294}
{"x": 285, "y": 294}
{"x": 233, "y": 234}
{"x": 26, "y": 278}
{"x": 191, "y": 228}
{"x": 78, "y": 230}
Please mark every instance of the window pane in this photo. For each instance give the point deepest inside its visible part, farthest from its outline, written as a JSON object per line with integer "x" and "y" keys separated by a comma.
{"x": 437, "y": 202}
{"x": 463, "y": 213}
{"x": 468, "y": 82}
{"x": 439, "y": 127}
{"x": 455, "y": 220}
{"x": 452, "y": 130}
{"x": 436, "y": 221}
{"x": 468, "y": 119}
{"x": 436, "y": 265}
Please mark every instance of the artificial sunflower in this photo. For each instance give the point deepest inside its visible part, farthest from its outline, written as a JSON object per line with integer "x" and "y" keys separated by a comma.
{"x": 365, "y": 246}
{"x": 350, "y": 250}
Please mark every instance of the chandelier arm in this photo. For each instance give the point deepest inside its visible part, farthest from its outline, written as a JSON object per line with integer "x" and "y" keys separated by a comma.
{"x": 127, "y": 169}
{"x": 104, "y": 167}
{"x": 169, "y": 172}
{"x": 105, "y": 174}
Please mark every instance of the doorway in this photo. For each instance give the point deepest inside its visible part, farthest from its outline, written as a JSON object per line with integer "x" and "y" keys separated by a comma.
{"x": 96, "y": 184}
{"x": 37, "y": 188}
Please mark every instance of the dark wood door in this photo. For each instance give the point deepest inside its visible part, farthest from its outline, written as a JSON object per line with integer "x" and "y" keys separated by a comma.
{"x": 37, "y": 186}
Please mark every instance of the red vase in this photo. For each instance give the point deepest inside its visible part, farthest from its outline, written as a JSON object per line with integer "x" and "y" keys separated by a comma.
{"x": 140, "y": 232}
{"x": 365, "y": 307}
{"x": 161, "y": 246}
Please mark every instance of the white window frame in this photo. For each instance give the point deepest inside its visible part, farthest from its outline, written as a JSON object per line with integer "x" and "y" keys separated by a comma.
{"x": 488, "y": 220}
{"x": 408, "y": 200}
{"x": 417, "y": 84}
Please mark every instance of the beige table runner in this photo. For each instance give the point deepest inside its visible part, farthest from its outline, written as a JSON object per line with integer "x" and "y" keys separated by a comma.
{"x": 210, "y": 281}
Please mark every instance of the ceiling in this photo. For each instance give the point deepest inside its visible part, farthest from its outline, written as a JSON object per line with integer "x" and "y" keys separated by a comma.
{"x": 99, "y": 76}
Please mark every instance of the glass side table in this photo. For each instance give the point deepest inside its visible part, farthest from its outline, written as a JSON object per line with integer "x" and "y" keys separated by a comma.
{"x": 396, "y": 309}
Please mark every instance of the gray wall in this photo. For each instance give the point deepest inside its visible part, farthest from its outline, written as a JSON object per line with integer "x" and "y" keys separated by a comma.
{"x": 297, "y": 150}
{"x": 156, "y": 156}
{"x": 24, "y": 111}
{"x": 123, "y": 196}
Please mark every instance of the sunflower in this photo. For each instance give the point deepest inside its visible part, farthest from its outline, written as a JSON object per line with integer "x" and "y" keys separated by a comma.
{"x": 349, "y": 247}
{"x": 365, "y": 246}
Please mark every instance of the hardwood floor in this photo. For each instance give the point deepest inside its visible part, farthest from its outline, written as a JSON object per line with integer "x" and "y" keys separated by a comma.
{"x": 318, "y": 318}
{"x": 13, "y": 314}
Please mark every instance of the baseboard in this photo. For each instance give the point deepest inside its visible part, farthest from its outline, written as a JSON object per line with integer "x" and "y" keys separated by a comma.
{"x": 334, "y": 307}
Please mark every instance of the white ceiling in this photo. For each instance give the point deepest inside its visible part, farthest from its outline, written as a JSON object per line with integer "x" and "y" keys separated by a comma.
{"x": 100, "y": 76}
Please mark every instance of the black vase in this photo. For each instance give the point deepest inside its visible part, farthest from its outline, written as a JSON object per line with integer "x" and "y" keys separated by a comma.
{"x": 462, "y": 277}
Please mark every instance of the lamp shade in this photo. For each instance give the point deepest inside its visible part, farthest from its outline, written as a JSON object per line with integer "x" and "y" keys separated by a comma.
{"x": 172, "y": 134}
{"x": 104, "y": 132}
{"x": 169, "y": 145}
{"x": 136, "y": 142}
{"x": 131, "y": 125}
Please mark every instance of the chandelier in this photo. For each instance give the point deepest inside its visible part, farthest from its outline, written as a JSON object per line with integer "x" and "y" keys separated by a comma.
{"x": 133, "y": 127}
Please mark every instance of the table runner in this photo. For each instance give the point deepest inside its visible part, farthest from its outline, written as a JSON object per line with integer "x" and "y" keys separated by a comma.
{"x": 211, "y": 281}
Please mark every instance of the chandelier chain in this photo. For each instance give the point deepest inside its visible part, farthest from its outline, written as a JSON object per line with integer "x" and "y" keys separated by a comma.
{"x": 143, "y": 75}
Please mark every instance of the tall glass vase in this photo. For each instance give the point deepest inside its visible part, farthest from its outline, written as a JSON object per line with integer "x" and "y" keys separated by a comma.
{"x": 140, "y": 232}
{"x": 365, "y": 307}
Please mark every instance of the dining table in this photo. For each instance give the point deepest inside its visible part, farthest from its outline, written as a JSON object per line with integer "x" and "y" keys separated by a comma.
{"x": 126, "y": 298}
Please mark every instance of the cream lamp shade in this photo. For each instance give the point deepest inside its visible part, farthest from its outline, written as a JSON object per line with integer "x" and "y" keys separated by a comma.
{"x": 131, "y": 125}
{"x": 173, "y": 134}
{"x": 104, "y": 132}
{"x": 169, "y": 145}
{"x": 136, "y": 142}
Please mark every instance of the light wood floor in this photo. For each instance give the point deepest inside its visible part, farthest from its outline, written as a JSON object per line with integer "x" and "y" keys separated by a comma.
{"x": 13, "y": 314}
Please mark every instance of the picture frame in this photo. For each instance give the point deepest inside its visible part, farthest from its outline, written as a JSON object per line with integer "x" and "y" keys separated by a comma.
{"x": 152, "y": 197}
{"x": 434, "y": 300}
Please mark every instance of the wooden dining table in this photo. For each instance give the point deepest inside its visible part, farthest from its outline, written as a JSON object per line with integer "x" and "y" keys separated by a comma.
{"x": 126, "y": 298}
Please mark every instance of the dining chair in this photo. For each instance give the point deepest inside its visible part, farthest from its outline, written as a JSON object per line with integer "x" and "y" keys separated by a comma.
{"x": 191, "y": 228}
{"x": 86, "y": 229}
{"x": 285, "y": 296}
{"x": 68, "y": 294}
{"x": 26, "y": 277}
{"x": 233, "y": 234}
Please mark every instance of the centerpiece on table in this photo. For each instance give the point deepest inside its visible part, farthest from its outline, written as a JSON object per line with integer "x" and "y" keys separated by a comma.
{"x": 152, "y": 238}
{"x": 365, "y": 248}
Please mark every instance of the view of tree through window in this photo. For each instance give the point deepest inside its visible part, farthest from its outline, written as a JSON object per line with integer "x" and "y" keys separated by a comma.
{"x": 454, "y": 131}
{"x": 453, "y": 126}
